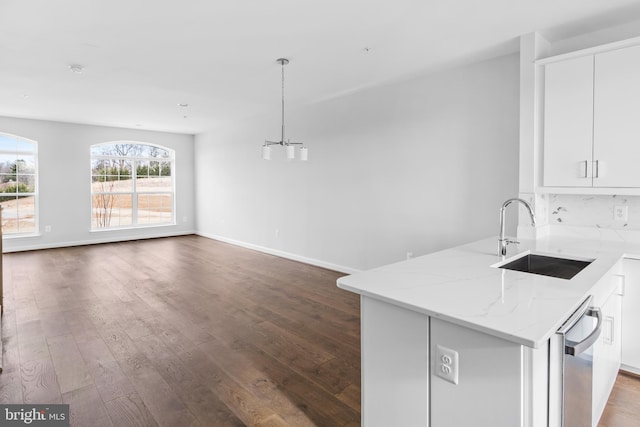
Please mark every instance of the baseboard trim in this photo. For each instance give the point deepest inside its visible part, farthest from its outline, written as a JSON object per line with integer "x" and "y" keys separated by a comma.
{"x": 264, "y": 249}
{"x": 38, "y": 246}
{"x": 630, "y": 370}
{"x": 281, "y": 254}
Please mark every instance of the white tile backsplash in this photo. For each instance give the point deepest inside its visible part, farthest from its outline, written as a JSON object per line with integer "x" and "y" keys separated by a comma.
{"x": 592, "y": 211}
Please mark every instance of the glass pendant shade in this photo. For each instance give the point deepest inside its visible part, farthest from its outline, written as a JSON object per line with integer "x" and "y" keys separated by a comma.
{"x": 304, "y": 154}
{"x": 291, "y": 152}
{"x": 266, "y": 152}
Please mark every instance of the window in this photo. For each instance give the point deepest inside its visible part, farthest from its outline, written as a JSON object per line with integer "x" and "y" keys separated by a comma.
{"x": 18, "y": 178}
{"x": 131, "y": 185}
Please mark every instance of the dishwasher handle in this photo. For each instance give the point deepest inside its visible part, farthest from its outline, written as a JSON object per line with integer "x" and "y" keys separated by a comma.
{"x": 576, "y": 348}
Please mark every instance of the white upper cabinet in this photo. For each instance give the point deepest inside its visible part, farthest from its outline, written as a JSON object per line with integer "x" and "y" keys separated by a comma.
{"x": 568, "y": 123}
{"x": 616, "y": 130}
{"x": 592, "y": 121}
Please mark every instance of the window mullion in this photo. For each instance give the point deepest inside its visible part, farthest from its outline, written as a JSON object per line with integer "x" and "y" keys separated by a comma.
{"x": 19, "y": 164}
{"x": 134, "y": 196}
{"x": 152, "y": 203}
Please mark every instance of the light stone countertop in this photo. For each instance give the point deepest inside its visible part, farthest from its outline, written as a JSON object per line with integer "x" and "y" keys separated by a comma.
{"x": 460, "y": 285}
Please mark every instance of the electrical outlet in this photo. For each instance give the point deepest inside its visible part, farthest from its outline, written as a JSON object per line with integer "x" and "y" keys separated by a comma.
{"x": 447, "y": 364}
{"x": 409, "y": 255}
{"x": 47, "y": 229}
{"x": 277, "y": 232}
{"x": 620, "y": 213}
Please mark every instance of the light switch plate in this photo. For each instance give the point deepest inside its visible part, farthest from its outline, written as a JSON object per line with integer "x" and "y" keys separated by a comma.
{"x": 446, "y": 364}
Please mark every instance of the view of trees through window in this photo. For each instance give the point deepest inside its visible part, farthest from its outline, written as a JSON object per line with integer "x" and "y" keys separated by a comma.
{"x": 18, "y": 160}
{"x": 131, "y": 185}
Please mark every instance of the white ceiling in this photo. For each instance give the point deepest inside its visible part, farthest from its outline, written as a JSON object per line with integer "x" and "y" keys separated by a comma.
{"x": 144, "y": 57}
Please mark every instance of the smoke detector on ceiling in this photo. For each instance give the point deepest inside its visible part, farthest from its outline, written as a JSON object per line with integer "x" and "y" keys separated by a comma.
{"x": 76, "y": 68}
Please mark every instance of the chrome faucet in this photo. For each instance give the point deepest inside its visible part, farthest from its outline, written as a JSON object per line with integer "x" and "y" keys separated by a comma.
{"x": 502, "y": 240}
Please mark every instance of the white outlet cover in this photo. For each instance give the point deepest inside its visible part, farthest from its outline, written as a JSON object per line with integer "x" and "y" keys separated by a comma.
{"x": 446, "y": 364}
{"x": 620, "y": 213}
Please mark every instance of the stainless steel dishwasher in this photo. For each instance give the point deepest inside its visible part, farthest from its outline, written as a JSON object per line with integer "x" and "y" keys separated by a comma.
{"x": 578, "y": 334}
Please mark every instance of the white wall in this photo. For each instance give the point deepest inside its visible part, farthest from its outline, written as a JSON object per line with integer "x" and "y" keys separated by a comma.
{"x": 65, "y": 181}
{"x": 415, "y": 166}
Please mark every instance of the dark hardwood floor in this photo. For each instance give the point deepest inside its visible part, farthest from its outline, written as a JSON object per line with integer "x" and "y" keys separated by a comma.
{"x": 188, "y": 331}
{"x": 180, "y": 331}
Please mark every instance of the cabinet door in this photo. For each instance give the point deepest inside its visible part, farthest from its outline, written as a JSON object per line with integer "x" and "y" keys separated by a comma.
{"x": 568, "y": 123}
{"x": 631, "y": 317}
{"x": 617, "y": 118}
{"x": 606, "y": 352}
{"x": 490, "y": 385}
{"x": 395, "y": 365}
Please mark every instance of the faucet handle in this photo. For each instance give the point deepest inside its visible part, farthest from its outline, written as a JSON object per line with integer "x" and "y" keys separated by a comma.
{"x": 512, "y": 241}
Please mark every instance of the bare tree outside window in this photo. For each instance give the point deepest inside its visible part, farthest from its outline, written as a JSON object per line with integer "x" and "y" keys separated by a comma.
{"x": 18, "y": 158}
{"x": 132, "y": 185}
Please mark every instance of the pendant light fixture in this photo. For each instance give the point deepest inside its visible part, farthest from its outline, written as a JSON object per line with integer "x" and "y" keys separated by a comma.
{"x": 287, "y": 144}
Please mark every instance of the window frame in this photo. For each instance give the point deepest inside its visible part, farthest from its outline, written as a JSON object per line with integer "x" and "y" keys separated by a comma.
{"x": 133, "y": 193}
{"x": 36, "y": 185}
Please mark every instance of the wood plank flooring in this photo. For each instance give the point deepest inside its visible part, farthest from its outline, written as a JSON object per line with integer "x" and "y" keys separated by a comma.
{"x": 623, "y": 407}
{"x": 180, "y": 331}
{"x": 188, "y": 331}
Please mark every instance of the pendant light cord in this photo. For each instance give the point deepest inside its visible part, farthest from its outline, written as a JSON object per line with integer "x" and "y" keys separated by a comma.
{"x": 290, "y": 146}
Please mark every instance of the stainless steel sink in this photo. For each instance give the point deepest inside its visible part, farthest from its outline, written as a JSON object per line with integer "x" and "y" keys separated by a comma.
{"x": 562, "y": 268}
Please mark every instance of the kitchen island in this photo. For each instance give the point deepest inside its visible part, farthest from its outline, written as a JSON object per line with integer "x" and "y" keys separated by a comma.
{"x": 499, "y": 323}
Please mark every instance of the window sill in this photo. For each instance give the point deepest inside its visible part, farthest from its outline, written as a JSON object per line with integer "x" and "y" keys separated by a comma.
{"x": 137, "y": 227}
{"x": 21, "y": 235}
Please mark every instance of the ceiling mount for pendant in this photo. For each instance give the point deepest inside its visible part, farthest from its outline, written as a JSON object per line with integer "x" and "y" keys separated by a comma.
{"x": 289, "y": 146}
{"x": 76, "y": 68}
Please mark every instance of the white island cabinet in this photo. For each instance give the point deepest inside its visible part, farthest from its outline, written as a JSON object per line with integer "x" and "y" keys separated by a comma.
{"x": 395, "y": 365}
{"x": 449, "y": 339}
{"x": 494, "y": 380}
{"x": 400, "y": 385}
{"x": 607, "y": 350}
{"x": 631, "y": 316}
